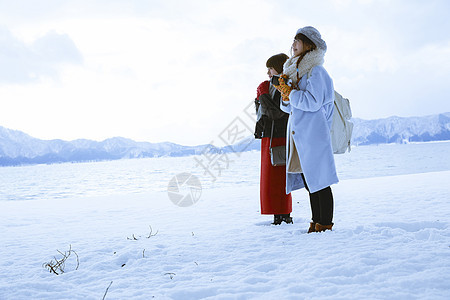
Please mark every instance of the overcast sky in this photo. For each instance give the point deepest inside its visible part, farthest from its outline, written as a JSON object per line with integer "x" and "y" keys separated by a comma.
{"x": 182, "y": 71}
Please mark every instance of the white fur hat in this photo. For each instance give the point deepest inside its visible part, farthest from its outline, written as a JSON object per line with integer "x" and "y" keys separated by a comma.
{"x": 314, "y": 35}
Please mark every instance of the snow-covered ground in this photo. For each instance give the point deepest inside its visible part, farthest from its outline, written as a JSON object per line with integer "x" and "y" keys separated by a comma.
{"x": 391, "y": 240}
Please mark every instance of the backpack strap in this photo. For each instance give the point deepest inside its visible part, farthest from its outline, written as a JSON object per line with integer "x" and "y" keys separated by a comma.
{"x": 271, "y": 134}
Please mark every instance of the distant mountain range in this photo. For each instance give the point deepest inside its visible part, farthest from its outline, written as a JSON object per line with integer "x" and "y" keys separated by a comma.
{"x": 18, "y": 148}
{"x": 401, "y": 130}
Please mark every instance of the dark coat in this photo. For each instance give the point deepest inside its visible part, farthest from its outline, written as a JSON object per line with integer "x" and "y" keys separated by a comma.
{"x": 268, "y": 110}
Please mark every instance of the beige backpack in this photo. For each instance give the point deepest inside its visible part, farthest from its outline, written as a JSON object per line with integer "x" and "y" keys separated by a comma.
{"x": 341, "y": 127}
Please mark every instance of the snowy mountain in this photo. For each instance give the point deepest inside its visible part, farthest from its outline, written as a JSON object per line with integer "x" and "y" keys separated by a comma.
{"x": 401, "y": 130}
{"x": 18, "y": 148}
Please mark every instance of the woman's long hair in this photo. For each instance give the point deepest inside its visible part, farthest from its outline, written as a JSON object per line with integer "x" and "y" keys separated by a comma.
{"x": 308, "y": 46}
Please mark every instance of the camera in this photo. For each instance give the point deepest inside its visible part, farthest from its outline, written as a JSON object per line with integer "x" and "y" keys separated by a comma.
{"x": 275, "y": 80}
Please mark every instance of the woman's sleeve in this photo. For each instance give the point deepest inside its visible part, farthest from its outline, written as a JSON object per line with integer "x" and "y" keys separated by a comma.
{"x": 285, "y": 106}
{"x": 311, "y": 99}
{"x": 271, "y": 106}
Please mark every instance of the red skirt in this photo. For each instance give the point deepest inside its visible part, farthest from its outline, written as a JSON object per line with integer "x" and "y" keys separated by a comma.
{"x": 274, "y": 200}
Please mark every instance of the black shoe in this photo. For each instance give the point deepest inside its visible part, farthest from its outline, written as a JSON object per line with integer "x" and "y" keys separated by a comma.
{"x": 277, "y": 219}
{"x": 287, "y": 218}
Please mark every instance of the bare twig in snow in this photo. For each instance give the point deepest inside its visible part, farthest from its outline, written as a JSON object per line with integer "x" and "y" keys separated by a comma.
{"x": 133, "y": 238}
{"x": 151, "y": 231}
{"x": 57, "y": 266}
{"x": 107, "y": 290}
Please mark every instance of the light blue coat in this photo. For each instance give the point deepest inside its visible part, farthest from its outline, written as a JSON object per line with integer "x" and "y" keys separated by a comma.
{"x": 311, "y": 112}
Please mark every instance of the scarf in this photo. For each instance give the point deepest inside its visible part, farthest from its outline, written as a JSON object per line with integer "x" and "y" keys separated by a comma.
{"x": 310, "y": 60}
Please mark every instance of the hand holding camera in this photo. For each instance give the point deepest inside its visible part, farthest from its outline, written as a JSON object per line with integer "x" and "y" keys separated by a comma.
{"x": 283, "y": 85}
{"x": 263, "y": 88}
{"x": 275, "y": 80}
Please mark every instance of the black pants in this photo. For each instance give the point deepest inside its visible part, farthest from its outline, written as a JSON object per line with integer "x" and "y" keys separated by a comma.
{"x": 321, "y": 205}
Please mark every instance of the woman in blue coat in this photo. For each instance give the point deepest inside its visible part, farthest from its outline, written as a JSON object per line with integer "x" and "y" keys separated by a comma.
{"x": 310, "y": 104}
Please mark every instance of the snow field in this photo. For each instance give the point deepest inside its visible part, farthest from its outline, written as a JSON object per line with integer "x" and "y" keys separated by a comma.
{"x": 391, "y": 240}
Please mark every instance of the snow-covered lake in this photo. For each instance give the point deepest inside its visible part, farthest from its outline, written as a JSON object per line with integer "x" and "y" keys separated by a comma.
{"x": 68, "y": 180}
{"x": 391, "y": 238}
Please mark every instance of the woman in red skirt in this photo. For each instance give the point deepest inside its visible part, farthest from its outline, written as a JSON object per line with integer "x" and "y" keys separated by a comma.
{"x": 272, "y": 123}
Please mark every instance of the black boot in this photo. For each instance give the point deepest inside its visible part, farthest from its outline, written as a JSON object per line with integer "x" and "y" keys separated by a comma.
{"x": 287, "y": 218}
{"x": 277, "y": 219}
